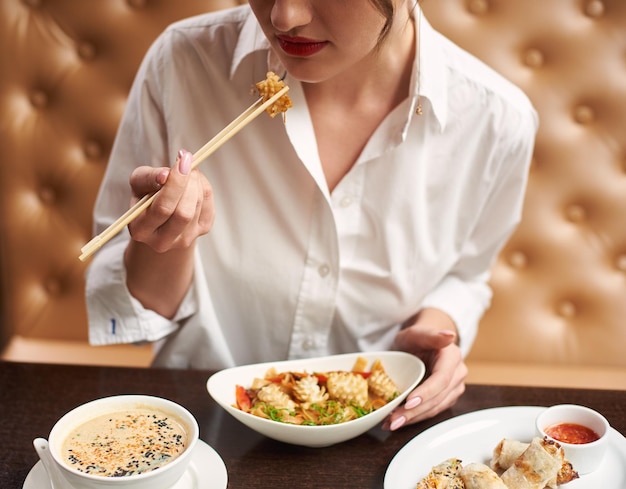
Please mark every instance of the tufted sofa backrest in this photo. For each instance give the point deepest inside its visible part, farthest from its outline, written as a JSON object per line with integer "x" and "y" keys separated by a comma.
{"x": 560, "y": 283}
{"x": 66, "y": 67}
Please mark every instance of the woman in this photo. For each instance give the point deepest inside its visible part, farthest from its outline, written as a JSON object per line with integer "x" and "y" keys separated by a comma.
{"x": 368, "y": 220}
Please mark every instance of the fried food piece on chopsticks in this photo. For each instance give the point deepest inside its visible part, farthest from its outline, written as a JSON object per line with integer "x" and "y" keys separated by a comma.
{"x": 268, "y": 88}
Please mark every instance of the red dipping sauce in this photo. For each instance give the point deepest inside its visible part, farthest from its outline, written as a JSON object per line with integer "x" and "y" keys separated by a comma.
{"x": 573, "y": 433}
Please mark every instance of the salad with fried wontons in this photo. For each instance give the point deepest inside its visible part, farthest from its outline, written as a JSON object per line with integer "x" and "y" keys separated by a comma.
{"x": 318, "y": 398}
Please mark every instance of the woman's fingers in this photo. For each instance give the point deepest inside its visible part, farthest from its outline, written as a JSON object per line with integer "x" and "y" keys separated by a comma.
{"x": 180, "y": 212}
{"x": 439, "y": 391}
{"x": 147, "y": 180}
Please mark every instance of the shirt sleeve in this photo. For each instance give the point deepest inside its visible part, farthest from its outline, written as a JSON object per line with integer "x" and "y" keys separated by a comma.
{"x": 115, "y": 316}
{"x": 464, "y": 293}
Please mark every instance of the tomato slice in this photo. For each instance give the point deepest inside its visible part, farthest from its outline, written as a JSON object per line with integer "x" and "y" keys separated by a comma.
{"x": 243, "y": 399}
{"x": 321, "y": 378}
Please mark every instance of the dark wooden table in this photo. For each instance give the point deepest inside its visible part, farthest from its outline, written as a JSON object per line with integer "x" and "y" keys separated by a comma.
{"x": 34, "y": 396}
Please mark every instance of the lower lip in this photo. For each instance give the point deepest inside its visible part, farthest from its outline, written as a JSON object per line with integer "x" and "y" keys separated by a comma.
{"x": 302, "y": 49}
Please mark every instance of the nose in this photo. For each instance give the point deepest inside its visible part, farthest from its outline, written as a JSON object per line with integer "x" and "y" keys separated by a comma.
{"x": 289, "y": 14}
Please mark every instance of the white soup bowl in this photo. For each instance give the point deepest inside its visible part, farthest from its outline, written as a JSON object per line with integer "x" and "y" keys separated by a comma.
{"x": 64, "y": 476}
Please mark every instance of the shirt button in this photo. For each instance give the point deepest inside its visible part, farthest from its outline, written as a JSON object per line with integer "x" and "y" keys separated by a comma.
{"x": 323, "y": 270}
{"x": 308, "y": 344}
{"x": 346, "y": 201}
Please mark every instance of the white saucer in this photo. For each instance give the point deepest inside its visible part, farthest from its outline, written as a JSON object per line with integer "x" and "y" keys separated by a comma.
{"x": 206, "y": 471}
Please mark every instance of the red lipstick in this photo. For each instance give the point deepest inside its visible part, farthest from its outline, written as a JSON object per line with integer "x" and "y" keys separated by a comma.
{"x": 300, "y": 46}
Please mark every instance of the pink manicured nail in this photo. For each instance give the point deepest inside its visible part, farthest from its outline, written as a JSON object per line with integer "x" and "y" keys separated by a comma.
{"x": 185, "y": 162}
{"x": 397, "y": 423}
{"x": 162, "y": 177}
{"x": 412, "y": 402}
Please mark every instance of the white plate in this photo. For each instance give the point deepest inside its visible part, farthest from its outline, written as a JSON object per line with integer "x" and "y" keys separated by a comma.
{"x": 472, "y": 437}
{"x": 206, "y": 471}
{"x": 404, "y": 369}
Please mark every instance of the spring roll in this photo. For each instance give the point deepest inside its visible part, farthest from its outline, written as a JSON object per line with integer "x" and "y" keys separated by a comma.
{"x": 566, "y": 473}
{"x": 479, "y": 476}
{"x": 443, "y": 476}
{"x": 508, "y": 450}
{"x": 537, "y": 467}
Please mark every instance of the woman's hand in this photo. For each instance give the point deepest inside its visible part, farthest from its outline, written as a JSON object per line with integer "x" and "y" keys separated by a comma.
{"x": 432, "y": 337}
{"x": 161, "y": 250}
{"x": 182, "y": 210}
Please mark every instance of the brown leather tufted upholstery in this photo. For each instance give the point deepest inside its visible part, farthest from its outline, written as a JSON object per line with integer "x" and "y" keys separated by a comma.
{"x": 560, "y": 283}
{"x": 559, "y": 310}
{"x": 65, "y": 69}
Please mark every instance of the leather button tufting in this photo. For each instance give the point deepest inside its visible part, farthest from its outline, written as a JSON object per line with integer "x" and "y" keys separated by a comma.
{"x": 39, "y": 99}
{"x": 47, "y": 195}
{"x": 93, "y": 150}
{"x": 566, "y": 309}
{"x": 86, "y": 50}
{"x": 53, "y": 286}
{"x": 594, "y": 8}
{"x": 620, "y": 262}
{"x": 517, "y": 259}
{"x": 575, "y": 213}
{"x": 478, "y": 7}
{"x": 583, "y": 114}
{"x": 533, "y": 58}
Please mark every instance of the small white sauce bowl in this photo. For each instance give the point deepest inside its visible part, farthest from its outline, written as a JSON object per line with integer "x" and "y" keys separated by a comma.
{"x": 585, "y": 457}
{"x": 164, "y": 477}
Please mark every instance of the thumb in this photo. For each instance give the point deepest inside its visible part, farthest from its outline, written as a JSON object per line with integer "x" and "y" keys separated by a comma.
{"x": 147, "y": 179}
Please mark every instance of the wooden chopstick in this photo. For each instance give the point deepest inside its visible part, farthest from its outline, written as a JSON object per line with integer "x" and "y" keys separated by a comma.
{"x": 199, "y": 156}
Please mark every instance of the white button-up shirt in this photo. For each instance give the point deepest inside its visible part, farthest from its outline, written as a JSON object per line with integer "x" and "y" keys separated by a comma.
{"x": 290, "y": 269}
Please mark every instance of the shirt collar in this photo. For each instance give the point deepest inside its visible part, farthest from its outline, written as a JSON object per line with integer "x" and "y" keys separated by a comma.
{"x": 429, "y": 65}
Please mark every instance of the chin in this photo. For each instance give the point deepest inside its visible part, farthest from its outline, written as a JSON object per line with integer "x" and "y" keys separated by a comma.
{"x": 308, "y": 72}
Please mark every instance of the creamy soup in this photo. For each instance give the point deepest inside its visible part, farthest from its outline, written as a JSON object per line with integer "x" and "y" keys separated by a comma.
{"x": 125, "y": 443}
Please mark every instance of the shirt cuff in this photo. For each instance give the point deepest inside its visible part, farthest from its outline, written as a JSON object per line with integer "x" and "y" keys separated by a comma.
{"x": 464, "y": 303}
{"x": 115, "y": 316}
